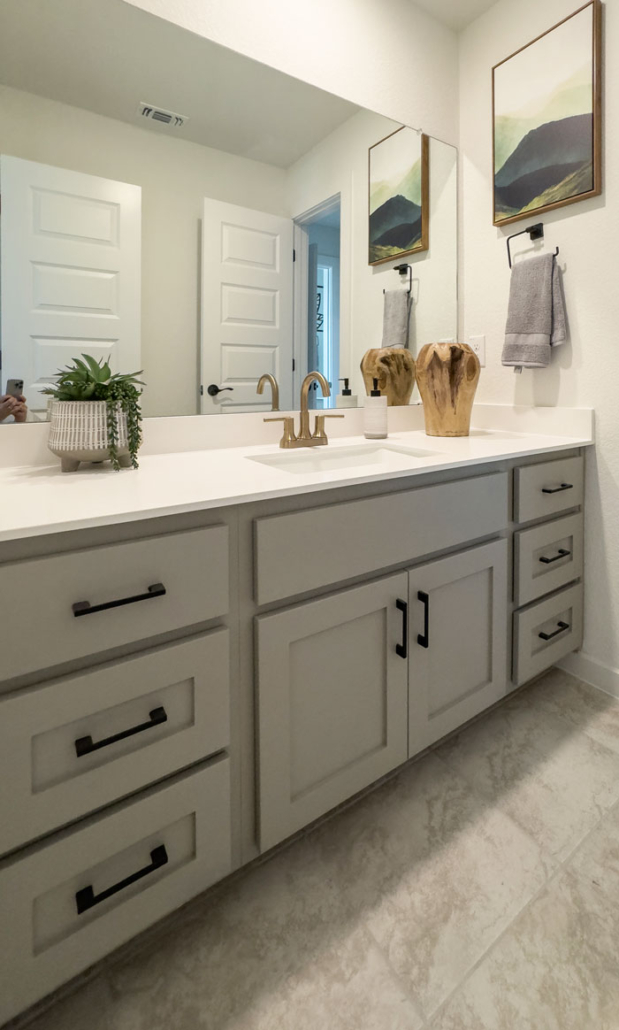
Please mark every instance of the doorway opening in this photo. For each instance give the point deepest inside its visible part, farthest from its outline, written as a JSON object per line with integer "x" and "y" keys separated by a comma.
{"x": 317, "y": 297}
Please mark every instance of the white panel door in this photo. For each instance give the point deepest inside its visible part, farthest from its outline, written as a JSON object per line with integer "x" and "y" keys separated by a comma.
{"x": 246, "y": 307}
{"x": 71, "y": 278}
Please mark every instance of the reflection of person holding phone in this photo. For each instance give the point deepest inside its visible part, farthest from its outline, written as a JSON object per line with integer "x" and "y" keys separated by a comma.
{"x": 13, "y": 402}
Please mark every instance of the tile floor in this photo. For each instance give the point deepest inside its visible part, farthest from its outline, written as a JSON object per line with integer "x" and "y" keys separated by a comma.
{"x": 478, "y": 890}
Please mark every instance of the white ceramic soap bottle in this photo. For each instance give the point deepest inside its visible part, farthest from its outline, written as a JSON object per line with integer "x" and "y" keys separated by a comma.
{"x": 375, "y": 415}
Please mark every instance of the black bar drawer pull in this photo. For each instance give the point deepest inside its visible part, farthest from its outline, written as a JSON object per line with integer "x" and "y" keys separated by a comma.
{"x": 86, "y": 897}
{"x": 548, "y": 636}
{"x": 85, "y": 746}
{"x": 402, "y": 649}
{"x": 86, "y": 608}
{"x": 424, "y": 639}
{"x": 562, "y": 554}
{"x": 557, "y": 489}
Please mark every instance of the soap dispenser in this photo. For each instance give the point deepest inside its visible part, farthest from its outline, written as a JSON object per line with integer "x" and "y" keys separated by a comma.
{"x": 375, "y": 415}
{"x": 346, "y": 398}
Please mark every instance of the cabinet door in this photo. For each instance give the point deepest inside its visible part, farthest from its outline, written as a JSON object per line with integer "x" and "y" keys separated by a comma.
{"x": 458, "y": 631}
{"x": 332, "y": 702}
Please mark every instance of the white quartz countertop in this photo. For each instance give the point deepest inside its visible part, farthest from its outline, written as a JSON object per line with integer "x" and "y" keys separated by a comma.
{"x": 40, "y": 499}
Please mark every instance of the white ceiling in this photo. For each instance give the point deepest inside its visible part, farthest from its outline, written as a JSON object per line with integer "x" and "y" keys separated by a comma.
{"x": 455, "y": 13}
{"x": 108, "y": 56}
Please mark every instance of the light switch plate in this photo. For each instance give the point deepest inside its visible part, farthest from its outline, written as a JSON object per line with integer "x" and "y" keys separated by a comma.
{"x": 478, "y": 344}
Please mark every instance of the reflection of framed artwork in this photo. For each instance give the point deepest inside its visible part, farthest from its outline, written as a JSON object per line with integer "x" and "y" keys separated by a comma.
{"x": 399, "y": 196}
{"x": 547, "y": 119}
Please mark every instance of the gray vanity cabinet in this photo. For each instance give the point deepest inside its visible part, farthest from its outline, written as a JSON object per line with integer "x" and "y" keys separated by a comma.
{"x": 332, "y": 702}
{"x": 457, "y": 640}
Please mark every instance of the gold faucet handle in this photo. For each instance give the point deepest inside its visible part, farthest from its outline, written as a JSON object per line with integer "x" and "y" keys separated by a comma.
{"x": 289, "y": 436}
{"x": 319, "y": 429}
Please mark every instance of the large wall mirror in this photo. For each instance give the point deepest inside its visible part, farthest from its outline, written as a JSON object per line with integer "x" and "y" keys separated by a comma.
{"x": 203, "y": 217}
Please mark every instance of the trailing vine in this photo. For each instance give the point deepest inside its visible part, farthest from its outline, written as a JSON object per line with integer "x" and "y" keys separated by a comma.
{"x": 93, "y": 380}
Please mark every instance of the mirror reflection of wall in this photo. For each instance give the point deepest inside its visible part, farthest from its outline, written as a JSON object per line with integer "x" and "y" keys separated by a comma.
{"x": 139, "y": 266}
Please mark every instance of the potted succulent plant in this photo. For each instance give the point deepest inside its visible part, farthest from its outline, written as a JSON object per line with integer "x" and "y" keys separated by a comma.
{"x": 95, "y": 415}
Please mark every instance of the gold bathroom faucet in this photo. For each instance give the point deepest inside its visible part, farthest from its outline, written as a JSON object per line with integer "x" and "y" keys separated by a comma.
{"x": 268, "y": 378}
{"x": 306, "y": 438}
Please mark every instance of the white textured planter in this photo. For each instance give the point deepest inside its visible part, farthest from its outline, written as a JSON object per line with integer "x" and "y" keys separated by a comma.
{"x": 78, "y": 432}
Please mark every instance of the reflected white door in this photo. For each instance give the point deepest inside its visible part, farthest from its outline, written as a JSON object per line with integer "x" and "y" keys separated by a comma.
{"x": 71, "y": 279}
{"x": 246, "y": 307}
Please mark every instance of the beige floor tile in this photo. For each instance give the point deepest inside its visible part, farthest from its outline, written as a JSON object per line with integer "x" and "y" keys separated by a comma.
{"x": 436, "y": 875}
{"x": 555, "y": 969}
{"x": 344, "y": 985}
{"x": 350, "y": 987}
{"x": 549, "y": 776}
{"x": 597, "y": 859}
{"x": 586, "y": 709}
{"x": 90, "y": 1007}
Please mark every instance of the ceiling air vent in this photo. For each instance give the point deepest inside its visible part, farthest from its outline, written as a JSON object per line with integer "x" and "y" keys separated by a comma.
{"x": 158, "y": 114}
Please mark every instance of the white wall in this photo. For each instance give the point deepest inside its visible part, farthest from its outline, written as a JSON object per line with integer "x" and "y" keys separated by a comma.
{"x": 175, "y": 176}
{"x": 386, "y": 55}
{"x": 339, "y": 164}
{"x": 586, "y": 370}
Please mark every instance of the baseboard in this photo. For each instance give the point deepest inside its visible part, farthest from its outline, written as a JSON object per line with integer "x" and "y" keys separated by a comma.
{"x": 592, "y": 671}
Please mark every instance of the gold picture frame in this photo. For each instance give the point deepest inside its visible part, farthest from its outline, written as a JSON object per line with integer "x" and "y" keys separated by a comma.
{"x": 547, "y": 120}
{"x": 398, "y": 196}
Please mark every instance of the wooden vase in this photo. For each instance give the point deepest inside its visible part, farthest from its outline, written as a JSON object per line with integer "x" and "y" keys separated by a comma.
{"x": 447, "y": 376}
{"x": 394, "y": 368}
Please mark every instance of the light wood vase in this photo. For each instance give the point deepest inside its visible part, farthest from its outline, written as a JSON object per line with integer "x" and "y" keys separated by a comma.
{"x": 78, "y": 432}
{"x": 447, "y": 376}
{"x": 394, "y": 368}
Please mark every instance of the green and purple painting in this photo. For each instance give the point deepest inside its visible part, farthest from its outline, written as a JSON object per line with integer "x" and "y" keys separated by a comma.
{"x": 398, "y": 195}
{"x": 544, "y": 120}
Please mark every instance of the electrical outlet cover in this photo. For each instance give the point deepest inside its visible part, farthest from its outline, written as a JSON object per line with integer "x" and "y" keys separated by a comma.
{"x": 478, "y": 344}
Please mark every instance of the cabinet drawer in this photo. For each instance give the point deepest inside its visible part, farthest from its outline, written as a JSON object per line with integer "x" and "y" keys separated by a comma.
{"x": 546, "y": 632}
{"x": 547, "y": 557}
{"x": 80, "y": 743}
{"x": 65, "y": 905}
{"x": 548, "y": 488}
{"x": 311, "y": 549}
{"x": 41, "y": 627}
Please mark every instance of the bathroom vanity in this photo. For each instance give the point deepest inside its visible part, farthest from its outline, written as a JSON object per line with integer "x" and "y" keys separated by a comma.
{"x": 203, "y": 657}
{"x": 200, "y": 658}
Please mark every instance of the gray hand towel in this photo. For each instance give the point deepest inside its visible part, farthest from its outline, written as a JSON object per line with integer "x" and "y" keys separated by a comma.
{"x": 395, "y": 318}
{"x": 536, "y": 314}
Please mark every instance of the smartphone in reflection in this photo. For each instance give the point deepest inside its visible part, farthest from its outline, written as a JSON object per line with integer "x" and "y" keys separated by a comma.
{"x": 15, "y": 387}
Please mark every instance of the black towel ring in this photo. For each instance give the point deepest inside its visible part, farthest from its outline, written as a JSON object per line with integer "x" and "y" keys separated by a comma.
{"x": 403, "y": 269}
{"x": 536, "y": 232}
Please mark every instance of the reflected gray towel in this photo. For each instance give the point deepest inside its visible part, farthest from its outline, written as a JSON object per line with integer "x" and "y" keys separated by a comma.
{"x": 397, "y": 304}
{"x": 536, "y": 313}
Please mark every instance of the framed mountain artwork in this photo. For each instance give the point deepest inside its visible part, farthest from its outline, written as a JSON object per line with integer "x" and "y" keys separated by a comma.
{"x": 547, "y": 119}
{"x": 399, "y": 197}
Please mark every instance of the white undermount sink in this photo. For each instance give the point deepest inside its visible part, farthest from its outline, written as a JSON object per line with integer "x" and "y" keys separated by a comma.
{"x": 331, "y": 459}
